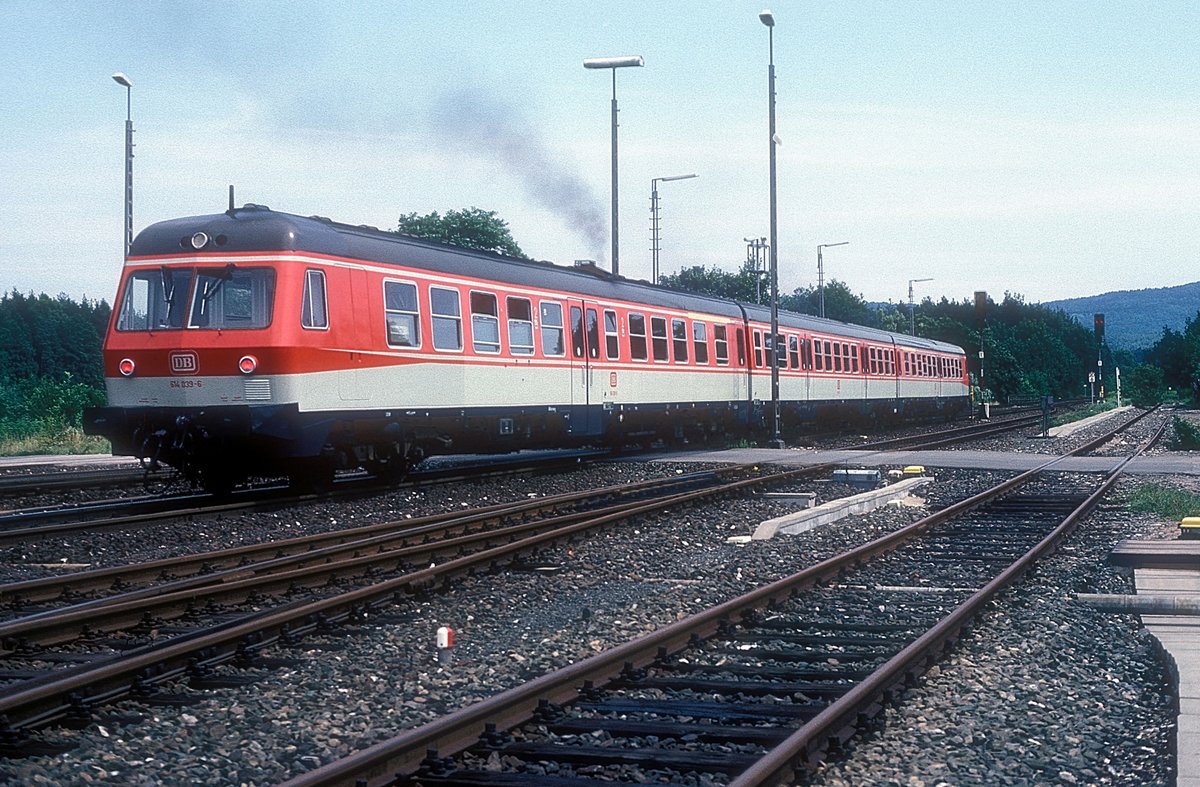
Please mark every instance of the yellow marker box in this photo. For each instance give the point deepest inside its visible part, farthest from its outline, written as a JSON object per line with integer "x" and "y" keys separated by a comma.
{"x": 914, "y": 470}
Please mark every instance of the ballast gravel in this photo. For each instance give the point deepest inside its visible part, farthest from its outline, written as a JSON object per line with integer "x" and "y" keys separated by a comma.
{"x": 1039, "y": 691}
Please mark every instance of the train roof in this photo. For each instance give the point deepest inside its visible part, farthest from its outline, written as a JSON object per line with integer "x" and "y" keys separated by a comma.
{"x": 808, "y": 322}
{"x": 256, "y": 228}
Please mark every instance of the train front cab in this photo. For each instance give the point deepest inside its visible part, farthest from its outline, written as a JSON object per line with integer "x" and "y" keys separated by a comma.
{"x": 193, "y": 360}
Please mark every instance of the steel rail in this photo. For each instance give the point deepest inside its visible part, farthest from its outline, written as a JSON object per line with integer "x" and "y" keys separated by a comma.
{"x": 950, "y": 436}
{"x": 16, "y": 484}
{"x": 84, "y": 517}
{"x": 309, "y": 569}
{"x": 27, "y": 706}
{"x": 808, "y": 743}
{"x": 211, "y": 563}
{"x": 1092, "y": 445}
{"x": 393, "y": 760}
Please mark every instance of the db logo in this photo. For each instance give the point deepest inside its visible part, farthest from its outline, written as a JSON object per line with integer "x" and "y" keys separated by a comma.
{"x": 612, "y": 379}
{"x": 185, "y": 362}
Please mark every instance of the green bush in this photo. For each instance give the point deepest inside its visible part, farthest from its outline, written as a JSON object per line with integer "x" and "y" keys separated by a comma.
{"x": 39, "y": 415}
{"x": 1187, "y": 434}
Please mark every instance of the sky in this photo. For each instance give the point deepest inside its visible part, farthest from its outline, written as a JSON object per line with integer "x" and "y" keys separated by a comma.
{"x": 1049, "y": 149}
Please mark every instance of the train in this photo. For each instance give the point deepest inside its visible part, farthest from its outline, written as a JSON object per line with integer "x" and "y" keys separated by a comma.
{"x": 256, "y": 343}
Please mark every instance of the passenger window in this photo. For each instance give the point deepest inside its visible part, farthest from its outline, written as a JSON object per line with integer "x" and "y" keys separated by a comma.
{"x": 446, "y": 312}
{"x": 658, "y": 338}
{"x": 721, "y": 344}
{"x": 552, "y": 329}
{"x": 637, "y": 336}
{"x": 700, "y": 342}
{"x": 314, "y": 313}
{"x": 837, "y": 356}
{"x": 780, "y": 346}
{"x": 679, "y": 339}
{"x": 794, "y": 351}
{"x": 593, "y": 334}
{"x": 520, "y": 326}
{"x": 401, "y": 315}
{"x": 577, "y": 331}
{"x": 485, "y": 323}
{"x": 758, "y": 355}
{"x": 820, "y": 355}
{"x": 612, "y": 345}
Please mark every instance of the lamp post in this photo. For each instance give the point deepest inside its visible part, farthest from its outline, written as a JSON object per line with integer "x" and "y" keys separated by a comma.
{"x": 768, "y": 19}
{"x": 124, "y": 82}
{"x": 912, "y": 320}
{"x": 614, "y": 63}
{"x": 654, "y": 220}
{"x": 821, "y": 272}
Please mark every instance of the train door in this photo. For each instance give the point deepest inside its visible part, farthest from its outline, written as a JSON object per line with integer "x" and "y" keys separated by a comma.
{"x": 354, "y": 334}
{"x": 587, "y": 394}
{"x": 803, "y": 356}
{"x": 734, "y": 336}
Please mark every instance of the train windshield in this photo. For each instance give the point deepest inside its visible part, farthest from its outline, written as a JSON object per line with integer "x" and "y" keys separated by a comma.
{"x": 155, "y": 300}
{"x": 168, "y": 297}
{"x": 232, "y": 297}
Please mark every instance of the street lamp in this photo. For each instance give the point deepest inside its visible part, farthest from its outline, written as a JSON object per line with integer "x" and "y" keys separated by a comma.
{"x": 821, "y": 272}
{"x": 768, "y": 19}
{"x": 124, "y": 82}
{"x": 912, "y": 320}
{"x": 654, "y": 219}
{"x": 614, "y": 63}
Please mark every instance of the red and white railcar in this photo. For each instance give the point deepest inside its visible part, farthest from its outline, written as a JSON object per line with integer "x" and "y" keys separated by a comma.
{"x": 255, "y": 342}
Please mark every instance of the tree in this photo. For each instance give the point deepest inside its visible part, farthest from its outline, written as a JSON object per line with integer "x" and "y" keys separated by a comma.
{"x": 51, "y": 337}
{"x": 472, "y": 228}
{"x": 1144, "y": 385}
{"x": 714, "y": 281}
{"x": 840, "y": 303}
{"x": 1178, "y": 355}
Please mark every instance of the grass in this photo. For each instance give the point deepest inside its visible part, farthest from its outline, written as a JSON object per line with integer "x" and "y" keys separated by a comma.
{"x": 1165, "y": 501}
{"x": 64, "y": 440}
{"x": 1084, "y": 412}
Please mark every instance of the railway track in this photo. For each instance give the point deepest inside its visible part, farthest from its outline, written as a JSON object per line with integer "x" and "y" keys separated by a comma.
{"x": 756, "y": 689}
{"x": 138, "y": 665}
{"x": 249, "y": 636}
{"x": 18, "y": 484}
{"x": 33, "y": 524}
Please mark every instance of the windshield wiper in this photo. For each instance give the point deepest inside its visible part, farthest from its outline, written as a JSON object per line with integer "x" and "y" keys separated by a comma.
{"x": 221, "y": 278}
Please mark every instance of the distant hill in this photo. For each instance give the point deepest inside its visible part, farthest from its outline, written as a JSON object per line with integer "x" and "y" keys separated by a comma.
{"x": 1134, "y": 319}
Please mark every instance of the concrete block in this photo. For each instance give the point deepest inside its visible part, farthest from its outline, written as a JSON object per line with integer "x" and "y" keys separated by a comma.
{"x": 801, "y": 499}
{"x": 864, "y": 502}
